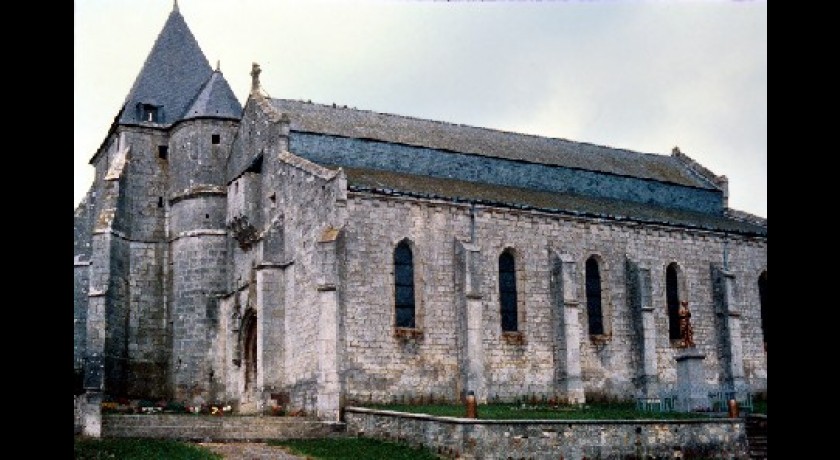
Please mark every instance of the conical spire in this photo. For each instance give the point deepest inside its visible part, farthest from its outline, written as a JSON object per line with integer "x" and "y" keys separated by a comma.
{"x": 172, "y": 75}
{"x": 216, "y": 99}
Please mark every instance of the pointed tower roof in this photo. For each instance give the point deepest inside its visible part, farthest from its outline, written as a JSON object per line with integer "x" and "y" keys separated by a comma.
{"x": 215, "y": 100}
{"x": 172, "y": 75}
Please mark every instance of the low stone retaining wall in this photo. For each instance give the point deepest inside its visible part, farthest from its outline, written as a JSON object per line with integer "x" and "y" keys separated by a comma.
{"x": 213, "y": 428}
{"x": 555, "y": 439}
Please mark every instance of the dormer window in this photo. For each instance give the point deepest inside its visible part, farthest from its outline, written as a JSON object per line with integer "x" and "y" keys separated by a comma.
{"x": 150, "y": 113}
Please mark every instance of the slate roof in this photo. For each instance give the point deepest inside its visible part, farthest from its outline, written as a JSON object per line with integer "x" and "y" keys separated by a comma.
{"x": 393, "y": 183}
{"x": 216, "y": 99}
{"x": 173, "y": 73}
{"x": 364, "y": 124}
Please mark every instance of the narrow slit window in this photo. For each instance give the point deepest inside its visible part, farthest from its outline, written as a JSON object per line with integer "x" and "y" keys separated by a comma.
{"x": 593, "y": 297}
{"x": 672, "y": 296}
{"x": 163, "y": 152}
{"x": 507, "y": 292}
{"x": 404, "y": 286}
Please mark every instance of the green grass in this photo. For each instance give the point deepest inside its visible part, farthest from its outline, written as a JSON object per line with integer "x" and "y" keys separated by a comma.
{"x": 760, "y": 407}
{"x": 139, "y": 449}
{"x": 346, "y": 448}
{"x": 601, "y": 411}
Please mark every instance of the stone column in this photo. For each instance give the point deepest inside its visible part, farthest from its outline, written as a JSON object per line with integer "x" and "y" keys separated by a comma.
{"x": 728, "y": 311}
{"x": 472, "y": 362}
{"x": 564, "y": 287}
{"x": 329, "y": 384}
{"x": 639, "y": 297}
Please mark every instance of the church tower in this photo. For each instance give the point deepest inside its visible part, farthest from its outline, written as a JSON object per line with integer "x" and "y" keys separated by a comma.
{"x": 154, "y": 220}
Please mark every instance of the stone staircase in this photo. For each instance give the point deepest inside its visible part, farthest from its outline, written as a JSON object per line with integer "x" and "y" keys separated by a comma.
{"x": 756, "y": 425}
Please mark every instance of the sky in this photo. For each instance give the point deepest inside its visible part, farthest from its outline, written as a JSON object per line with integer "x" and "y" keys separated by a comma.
{"x": 638, "y": 75}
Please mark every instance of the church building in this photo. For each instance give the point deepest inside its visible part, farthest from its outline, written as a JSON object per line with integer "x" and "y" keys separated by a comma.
{"x": 320, "y": 255}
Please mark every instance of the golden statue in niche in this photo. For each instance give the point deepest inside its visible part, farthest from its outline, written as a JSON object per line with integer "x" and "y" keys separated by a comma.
{"x": 686, "y": 331}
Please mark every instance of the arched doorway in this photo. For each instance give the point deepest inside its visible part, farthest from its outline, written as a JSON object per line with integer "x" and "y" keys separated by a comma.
{"x": 249, "y": 350}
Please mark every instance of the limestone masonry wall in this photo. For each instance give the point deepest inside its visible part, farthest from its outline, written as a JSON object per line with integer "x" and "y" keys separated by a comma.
{"x": 378, "y": 366}
{"x": 308, "y": 202}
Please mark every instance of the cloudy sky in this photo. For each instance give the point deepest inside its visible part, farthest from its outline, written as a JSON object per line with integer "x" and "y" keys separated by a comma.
{"x": 640, "y": 75}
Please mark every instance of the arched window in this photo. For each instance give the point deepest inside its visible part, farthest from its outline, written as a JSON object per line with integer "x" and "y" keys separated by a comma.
{"x": 672, "y": 295}
{"x": 404, "y": 285}
{"x": 507, "y": 291}
{"x": 762, "y": 298}
{"x": 593, "y": 297}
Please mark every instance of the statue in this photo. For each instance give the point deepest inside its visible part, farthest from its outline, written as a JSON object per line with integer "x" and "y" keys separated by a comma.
{"x": 686, "y": 331}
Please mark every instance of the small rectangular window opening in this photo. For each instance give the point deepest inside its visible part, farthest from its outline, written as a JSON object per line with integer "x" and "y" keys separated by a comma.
{"x": 216, "y": 139}
{"x": 160, "y": 201}
{"x": 163, "y": 152}
{"x": 149, "y": 113}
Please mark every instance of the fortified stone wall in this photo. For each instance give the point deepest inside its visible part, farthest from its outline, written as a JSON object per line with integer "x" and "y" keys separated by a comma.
{"x": 378, "y": 365}
{"x": 199, "y": 252}
{"x": 116, "y": 315}
{"x": 307, "y": 195}
{"x": 258, "y": 132}
{"x": 147, "y": 320}
{"x": 196, "y": 160}
{"x": 82, "y": 227}
{"x": 146, "y": 179}
{"x": 291, "y": 203}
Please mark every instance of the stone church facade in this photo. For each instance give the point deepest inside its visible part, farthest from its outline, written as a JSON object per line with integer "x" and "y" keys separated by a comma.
{"x": 322, "y": 255}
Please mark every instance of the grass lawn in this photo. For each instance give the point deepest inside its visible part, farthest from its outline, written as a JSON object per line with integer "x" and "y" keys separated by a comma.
{"x": 600, "y": 411}
{"x": 369, "y": 449}
{"x": 139, "y": 449}
{"x": 760, "y": 407}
